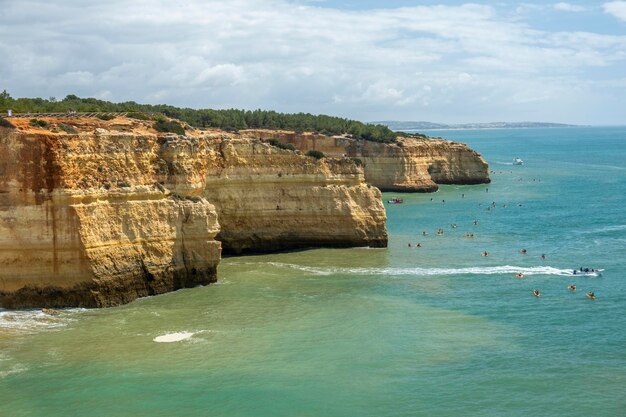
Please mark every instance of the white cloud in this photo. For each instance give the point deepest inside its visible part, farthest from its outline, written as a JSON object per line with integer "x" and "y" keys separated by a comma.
{"x": 568, "y": 7}
{"x": 525, "y": 8}
{"x": 460, "y": 61}
{"x": 616, "y": 8}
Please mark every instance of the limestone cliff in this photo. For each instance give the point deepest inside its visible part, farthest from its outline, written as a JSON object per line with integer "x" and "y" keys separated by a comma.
{"x": 118, "y": 211}
{"x": 82, "y": 223}
{"x": 410, "y": 164}
{"x": 270, "y": 199}
{"x": 420, "y": 164}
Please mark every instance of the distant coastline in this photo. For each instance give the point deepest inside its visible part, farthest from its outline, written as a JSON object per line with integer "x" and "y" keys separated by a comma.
{"x": 421, "y": 125}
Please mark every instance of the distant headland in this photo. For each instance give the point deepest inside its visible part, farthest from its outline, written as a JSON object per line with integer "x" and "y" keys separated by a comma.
{"x": 421, "y": 125}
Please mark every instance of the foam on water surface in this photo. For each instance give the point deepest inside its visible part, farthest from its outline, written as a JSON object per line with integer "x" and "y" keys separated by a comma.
{"x": 173, "y": 337}
{"x": 30, "y": 321}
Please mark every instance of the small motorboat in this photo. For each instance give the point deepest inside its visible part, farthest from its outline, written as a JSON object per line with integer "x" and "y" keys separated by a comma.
{"x": 395, "y": 200}
{"x": 593, "y": 272}
{"x": 518, "y": 161}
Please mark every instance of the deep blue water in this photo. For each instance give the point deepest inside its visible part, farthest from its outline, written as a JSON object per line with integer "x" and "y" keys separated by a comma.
{"x": 435, "y": 331}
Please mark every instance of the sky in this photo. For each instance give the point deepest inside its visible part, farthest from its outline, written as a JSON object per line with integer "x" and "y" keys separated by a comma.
{"x": 440, "y": 61}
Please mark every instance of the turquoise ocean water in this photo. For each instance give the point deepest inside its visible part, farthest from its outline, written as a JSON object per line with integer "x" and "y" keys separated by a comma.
{"x": 432, "y": 331}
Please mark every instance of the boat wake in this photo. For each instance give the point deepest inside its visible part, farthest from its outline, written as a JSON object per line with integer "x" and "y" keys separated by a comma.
{"x": 604, "y": 229}
{"x": 493, "y": 270}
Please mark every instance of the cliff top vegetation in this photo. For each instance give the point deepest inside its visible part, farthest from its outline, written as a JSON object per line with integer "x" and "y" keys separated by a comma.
{"x": 229, "y": 119}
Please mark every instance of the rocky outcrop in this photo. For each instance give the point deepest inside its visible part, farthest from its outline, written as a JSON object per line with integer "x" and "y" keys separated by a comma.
{"x": 409, "y": 165}
{"x": 420, "y": 164}
{"x": 119, "y": 211}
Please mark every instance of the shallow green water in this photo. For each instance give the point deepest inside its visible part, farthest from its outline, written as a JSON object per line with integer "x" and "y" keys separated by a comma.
{"x": 437, "y": 330}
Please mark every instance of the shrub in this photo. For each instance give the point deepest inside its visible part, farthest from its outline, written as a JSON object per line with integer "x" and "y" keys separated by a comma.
{"x": 280, "y": 145}
{"x": 169, "y": 126}
{"x": 315, "y": 154}
{"x": 105, "y": 116}
{"x": 123, "y": 184}
{"x": 39, "y": 123}
{"x": 68, "y": 128}
{"x": 137, "y": 115}
{"x": 5, "y": 123}
{"x": 357, "y": 161}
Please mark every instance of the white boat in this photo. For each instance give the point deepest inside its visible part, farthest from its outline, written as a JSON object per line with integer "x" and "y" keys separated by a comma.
{"x": 518, "y": 161}
{"x": 395, "y": 200}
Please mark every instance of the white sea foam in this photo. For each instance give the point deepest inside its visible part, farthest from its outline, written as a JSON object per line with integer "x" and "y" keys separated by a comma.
{"x": 15, "y": 369}
{"x": 173, "y": 337}
{"x": 492, "y": 270}
{"x": 605, "y": 229}
{"x": 29, "y": 321}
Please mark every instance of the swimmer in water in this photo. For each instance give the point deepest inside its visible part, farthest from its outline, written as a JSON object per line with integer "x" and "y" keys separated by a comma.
{"x": 519, "y": 275}
{"x": 424, "y": 233}
{"x": 591, "y": 295}
{"x": 485, "y": 253}
{"x": 475, "y": 222}
{"x": 571, "y": 287}
{"x": 522, "y": 251}
{"x": 536, "y": 293}
{"x": 543, "y": 256}
{"x": 419, "y": 245}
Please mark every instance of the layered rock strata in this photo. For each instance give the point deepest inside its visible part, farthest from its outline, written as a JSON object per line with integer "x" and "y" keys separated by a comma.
{"x": 119, "y": 211}
{"x": 270, "y": 199}
{"x": 409, "y": 165}
{"x": 82, "y": 223}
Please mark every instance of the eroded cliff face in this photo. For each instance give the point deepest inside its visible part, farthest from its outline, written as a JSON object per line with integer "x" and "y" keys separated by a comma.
{"x": 410, "y": 165}
{"x": 270, "y": 199}
{"x": 420, "y": 164}
{"x": 82, "y": 223}
{"x": 119, "y": 211}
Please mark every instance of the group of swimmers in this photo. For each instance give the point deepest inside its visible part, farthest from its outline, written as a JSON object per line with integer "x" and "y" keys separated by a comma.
{"x": 522, "y": 251}
{"x": 571, "y": 287}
